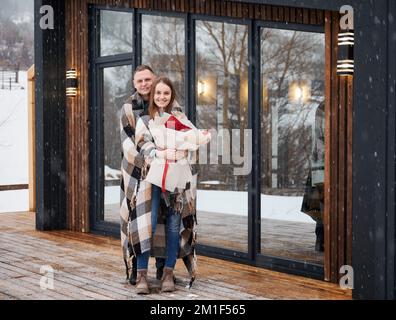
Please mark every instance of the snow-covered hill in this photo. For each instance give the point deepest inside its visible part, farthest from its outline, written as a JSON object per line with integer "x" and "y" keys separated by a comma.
{"x": 14, "y": 145}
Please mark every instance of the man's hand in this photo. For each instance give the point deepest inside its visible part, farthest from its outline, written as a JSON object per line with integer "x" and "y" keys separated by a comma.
{"x": 181, "y": 154}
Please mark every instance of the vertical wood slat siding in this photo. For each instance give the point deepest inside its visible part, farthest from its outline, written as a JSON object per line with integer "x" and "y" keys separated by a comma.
{"x": 77, "y": 56}
{"x": 306, "y": 16}
{"x": 292, "y": 15}
{"x": 349, "y": 170}
{"x": 286, "y": 13}
{"x": 274, "y": 13}
{"x": 254, "y": 11}
{"x": 281, "y": 14}
{"x": 341, "y": 173}
{"x": 327, "y": 178}
{"x": 299, "y": 15}
{"x": 338, "y": 159}
{"x": 217, "y": 8}
{"x": 69, "y": 124}
{"x": 312, "y": 17}
{"x": 333, "y": 168}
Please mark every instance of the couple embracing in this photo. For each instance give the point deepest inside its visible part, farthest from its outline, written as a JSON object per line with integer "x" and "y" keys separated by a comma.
{"x": 158, "y": 187}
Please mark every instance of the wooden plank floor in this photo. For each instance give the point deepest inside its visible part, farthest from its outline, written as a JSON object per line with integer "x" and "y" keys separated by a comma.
{"x": 90, "y": 267}
{"x": 279, "y": 238}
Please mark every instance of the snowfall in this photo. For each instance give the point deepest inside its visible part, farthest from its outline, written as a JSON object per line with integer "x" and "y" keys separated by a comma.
{"x": 14, "y": 170}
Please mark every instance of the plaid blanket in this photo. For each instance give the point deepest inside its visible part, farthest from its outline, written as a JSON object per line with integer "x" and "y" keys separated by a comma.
{"x": 135, "y": 210}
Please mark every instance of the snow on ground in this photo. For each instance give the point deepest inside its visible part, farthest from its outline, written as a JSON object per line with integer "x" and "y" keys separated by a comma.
{"x": 236, "y": 203}
{"x": 111, "y": 174}
{"x": 14, "y": 145}
{"x": 14, "y": 201}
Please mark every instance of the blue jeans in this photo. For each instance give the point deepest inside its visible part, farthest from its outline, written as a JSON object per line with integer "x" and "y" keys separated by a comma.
{"x": 172, "y": 232}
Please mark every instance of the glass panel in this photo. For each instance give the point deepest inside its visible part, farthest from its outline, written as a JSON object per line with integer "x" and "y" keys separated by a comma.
{"x": 163, "y": 46}
{"x": 115, "y": 32}
{"x": 221, "y": 105}
{"x": 117, "y": 86}
{"x": 293, "y": 146}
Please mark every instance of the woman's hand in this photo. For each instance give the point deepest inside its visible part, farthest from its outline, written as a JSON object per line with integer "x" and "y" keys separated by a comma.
{"x": 171, "y": 154}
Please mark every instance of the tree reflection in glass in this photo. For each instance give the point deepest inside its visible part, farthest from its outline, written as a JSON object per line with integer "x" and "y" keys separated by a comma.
{"x": 292, "y": 126}
{"x": 221, "y": 104}
{"x": 163, "y": 42}
{"x": 115, "y": 32}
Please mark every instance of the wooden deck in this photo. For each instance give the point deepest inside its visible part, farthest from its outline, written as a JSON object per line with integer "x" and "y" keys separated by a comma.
{"x": 279, "y": 238}
{"x": 87, "y": 266}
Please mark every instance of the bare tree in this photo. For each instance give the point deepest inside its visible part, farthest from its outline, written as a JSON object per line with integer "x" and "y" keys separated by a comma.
{"x": 289, "y": 56}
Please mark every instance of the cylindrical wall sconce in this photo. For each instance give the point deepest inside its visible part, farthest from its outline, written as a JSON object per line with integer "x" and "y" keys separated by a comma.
{"x": 71, "y": 83}
{"x": 345, "y": 63}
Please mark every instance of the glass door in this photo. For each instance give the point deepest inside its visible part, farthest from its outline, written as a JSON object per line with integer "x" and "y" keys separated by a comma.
{"x": 111, "y": 60}
{"x": 292, "y": 125}
{"x": 221, "y": 58}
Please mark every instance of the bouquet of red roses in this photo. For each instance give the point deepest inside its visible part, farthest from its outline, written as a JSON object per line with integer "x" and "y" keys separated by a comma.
{"x": 174, "y": 131}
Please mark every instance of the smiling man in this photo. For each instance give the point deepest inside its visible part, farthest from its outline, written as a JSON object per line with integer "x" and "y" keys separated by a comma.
{"x": 132, "y": 162}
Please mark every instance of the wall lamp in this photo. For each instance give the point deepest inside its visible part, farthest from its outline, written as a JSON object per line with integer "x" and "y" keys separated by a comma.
{"x": 345, "y": 63}
{"x": 201, "y": 88}
{"x": 71, "y": 83}
{"x": 299, "y": 92}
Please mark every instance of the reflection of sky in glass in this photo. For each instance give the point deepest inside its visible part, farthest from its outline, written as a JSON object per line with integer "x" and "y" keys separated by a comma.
{"x": 115, "y": 32}
{"x": 162, "y": 35}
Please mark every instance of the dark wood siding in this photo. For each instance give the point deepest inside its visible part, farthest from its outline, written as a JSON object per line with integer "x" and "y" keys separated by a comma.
{"x": 50, "y": 105}
{"x": 338, "y": 175}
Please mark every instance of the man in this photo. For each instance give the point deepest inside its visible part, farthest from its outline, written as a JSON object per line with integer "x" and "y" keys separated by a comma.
{"x": 313, "y": 200}
{"x": 133, "y": 162}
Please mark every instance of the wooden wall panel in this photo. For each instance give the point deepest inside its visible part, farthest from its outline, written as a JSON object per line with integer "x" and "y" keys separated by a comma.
{"x": 349, "y": 107}
{"x": 338, "y": 158}
{"x": 327, "y": 189}
{"x": 32, "y": 139}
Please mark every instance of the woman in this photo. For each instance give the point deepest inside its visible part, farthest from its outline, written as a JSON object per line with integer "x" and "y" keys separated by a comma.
{"x": 176, "y": 210}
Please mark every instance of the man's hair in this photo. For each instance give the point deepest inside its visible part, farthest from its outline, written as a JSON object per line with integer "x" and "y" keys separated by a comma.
{"x": 143, "y": 67}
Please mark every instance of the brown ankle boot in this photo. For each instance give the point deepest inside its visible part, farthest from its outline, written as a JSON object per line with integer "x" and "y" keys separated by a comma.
{"x": 141, "y": 282}
{"x": 168, "y": 284}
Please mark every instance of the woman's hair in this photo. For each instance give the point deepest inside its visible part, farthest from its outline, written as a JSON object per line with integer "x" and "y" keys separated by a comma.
{"x": 153, "y": 108}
